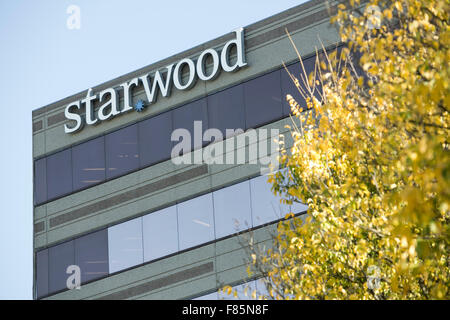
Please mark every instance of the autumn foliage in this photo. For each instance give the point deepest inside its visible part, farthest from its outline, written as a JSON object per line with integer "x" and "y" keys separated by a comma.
{"x": 371, "y": 159}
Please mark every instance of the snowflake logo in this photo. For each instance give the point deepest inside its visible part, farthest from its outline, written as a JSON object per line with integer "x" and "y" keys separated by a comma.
{"x": 139, "y": 106}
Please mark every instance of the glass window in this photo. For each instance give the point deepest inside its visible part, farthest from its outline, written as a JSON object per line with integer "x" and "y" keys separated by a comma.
{"x": 88, "y": 163}
{"x": 226, "y": 109}
{"x": 266, "y": 207}
{"x": 243, "y": 292}
{"x": 125, "y": 245}
{"x": 91, "y": 255}
{"x": 261, "y": 288}
{"x": 40, "y": 181}
{"x": 195, "y": 221}
{"x": 59, "y": 174}
{"x": 154, "y": 139}
{"x": 232, "y": 210}
{"x": 185, "y": 116}
{"x": 288, "y": 86}
{"x": 160, "y": 233}
{"x": 42, "y": 273}
{"x": 262, "y": 100}
{"x": 297, "y": 207}
{"x": 59, "y": 258}
{"x": 209, "y": 296}
{"x": 122, "y": 151}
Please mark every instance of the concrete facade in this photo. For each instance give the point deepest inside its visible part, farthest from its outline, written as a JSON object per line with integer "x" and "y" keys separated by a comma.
{"x": 205, "y": 268}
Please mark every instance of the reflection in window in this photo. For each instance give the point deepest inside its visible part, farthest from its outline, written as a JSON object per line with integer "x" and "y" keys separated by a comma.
{"x": 232, "y": 211}
{"x": 88, "y": 163}
{"x": 195, "y": 221}
{"x": 263, "y": 99}
{"x": 40, "y": 181}
{"x": 154, "y": 139}
{"x": 42, "y": 273}
{"x": 226, "y": 109}
{"x": 266, "y": 207}
{"x": 160, "y": 233}
{"x": 59, "y": 258}
{"x": 184, "y": 117}
{"x": 122, "y": 151}
{"x": 59, "y": 174}
{"x": 209, "y": 296}
{"x": 240, "y": 292}
{"x": 91, "y": 255}
{"x": 125, "y": 245}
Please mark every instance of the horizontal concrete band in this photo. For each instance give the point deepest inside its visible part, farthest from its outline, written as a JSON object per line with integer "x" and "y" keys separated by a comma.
{"x": 161, "y": 282}
{"x": 129, "y": 195}
{"x": 250, "y": 43}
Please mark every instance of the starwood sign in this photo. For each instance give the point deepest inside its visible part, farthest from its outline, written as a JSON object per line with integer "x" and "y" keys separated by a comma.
{"x": 110, "y": 97}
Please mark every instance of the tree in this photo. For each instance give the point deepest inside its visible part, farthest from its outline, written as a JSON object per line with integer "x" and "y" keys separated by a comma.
{"x": 371, "y": 159}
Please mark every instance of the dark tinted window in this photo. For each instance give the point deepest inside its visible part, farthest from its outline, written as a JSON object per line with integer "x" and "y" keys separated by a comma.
{"x": 40, "y": 181}
{"x": 59, "y": 258}
{"x": 185, "y": 116}
{"x": 91, "y": 255}
{"x": 154, "y": 139}
{"x": 42, "y": 273}
{"x": 59, "y": 174}
{"x": 288, "y": 86}
{"x": 88, "y": 163}
{"x": 226, "y": 109}
{"x": 122, "y": 153}
{"x": 263, "y": 99}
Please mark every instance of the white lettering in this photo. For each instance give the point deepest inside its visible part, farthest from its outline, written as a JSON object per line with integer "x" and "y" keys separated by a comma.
{"x": 177, "y": 74}
{"x": 112, "y": 103}
{"x": 72, "y": 116}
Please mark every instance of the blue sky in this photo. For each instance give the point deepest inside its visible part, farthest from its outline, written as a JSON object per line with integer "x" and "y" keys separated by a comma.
{"x": 42, "y": 61}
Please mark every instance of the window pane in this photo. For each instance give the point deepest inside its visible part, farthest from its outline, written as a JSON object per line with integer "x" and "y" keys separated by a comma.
{"x": 40, "y": 181}
{"x": 160, "y": 233}
{"x": 243, "y": 291}
{"x": 122, "y": 153}
{"x": 154, "y": 139}
{"x": 232, "y": 211}
{"x": 91, "y": 255}
{"x": 297, "y": 207}
{"x": 42, "y": 273}
{"x": 59, "y": 258}
{"x": 261, "y": 288}
{"x": 266, "y": 207}
{"x": 195, "y": 221}
{"x": 209, "y": 296}
{"x": 185, "y": 116}
{"x": 263, "y": 100}
{"x": 125, "y": 245}
{"x": 88, "y": 163}
{"x": 59, "y": 174}
{"x": 226, "y": 109}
